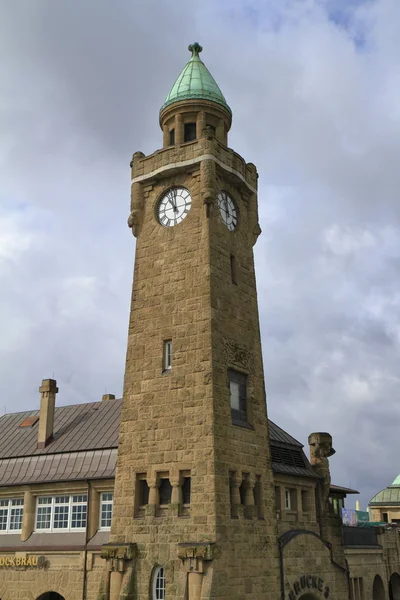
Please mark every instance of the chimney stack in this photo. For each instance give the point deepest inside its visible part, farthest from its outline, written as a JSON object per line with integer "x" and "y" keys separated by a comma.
{"x": 108, "y": 397}
{"x": 48, "y": 391}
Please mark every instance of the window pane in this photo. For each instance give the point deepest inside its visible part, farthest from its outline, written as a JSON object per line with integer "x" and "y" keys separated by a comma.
{"x": 235, "y": 395}
{"x": 189, "y": 132}
{"x": 159, "y": 585}
{"x": 3, "y": 518}
{"x": 4, "y": 502}
{"x": 44, "y": 500}
{"x": 61, "y": 517}
{"x": 78, "y": 516}
{"x": 43, "y": 517}
{"x": 106, "y": 514}
{"x": 16, "y": 518}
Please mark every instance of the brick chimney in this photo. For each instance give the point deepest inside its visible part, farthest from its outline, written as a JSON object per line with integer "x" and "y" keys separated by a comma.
{"x": 108, "y": 397}
{"x": 48, "y": 391}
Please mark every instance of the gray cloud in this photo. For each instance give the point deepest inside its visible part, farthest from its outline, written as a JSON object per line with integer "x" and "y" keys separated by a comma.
{"x": 315, "y": 95}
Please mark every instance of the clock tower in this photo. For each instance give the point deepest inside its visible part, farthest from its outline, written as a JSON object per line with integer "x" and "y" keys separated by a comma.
{"x": 194, "y": 510}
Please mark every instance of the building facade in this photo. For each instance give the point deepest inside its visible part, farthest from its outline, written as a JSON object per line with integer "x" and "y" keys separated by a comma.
{"x": 183, "y": 489}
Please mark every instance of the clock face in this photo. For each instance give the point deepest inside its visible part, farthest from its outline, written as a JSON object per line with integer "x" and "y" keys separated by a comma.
{"x": 173, "y": 206}
{"x": 228, "y": 210}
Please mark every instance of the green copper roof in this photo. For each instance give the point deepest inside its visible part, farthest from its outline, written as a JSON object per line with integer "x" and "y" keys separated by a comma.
{"x": 195, "y": 81}
{"x": 390, "y": 495}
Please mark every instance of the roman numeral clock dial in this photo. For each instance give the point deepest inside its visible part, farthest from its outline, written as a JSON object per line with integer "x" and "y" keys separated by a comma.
{"x": 173, "y": 206}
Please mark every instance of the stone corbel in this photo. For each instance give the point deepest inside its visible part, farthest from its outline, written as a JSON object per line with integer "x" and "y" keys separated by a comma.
{"x": 194, "y": 556}
{"x": 207, "y": 184}
{"x": 137, "y": 204}
{"x": 119, "y": 567}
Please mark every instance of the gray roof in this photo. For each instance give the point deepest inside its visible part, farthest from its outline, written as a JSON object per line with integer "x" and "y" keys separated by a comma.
{"x": 69, "y": 466}
{"x": 79, "y": 427}
{"x": 276, "y": 434}
{"x": 85, "y": 446}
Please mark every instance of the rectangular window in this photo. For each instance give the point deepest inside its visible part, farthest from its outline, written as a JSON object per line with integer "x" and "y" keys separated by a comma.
{"x": 385, "y": 517}
{"x": 167, "y": 355}
{"x": 11, "y": 513}
{"x": 233, "y": 269}
{"x": 106, "y": 506}
{"x": 172, "y": 137}
{"x": 54, "y": 513}
{"x": 238, "y": 394}
{"x": 190, "y": 132}
{"x": 288, "y": 500}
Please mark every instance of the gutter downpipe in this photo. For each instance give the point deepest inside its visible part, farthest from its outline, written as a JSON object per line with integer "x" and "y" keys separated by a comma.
{"x": 84, "y": 581}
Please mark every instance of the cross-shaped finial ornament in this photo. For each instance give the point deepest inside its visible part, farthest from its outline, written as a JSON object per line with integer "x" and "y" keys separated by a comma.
{"x": 195, "y": 49}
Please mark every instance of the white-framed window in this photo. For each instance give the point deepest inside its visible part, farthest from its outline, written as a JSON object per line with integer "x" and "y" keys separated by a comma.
{"x": 106, "y": 507}
{"x": 64, "y": 512}
{"x": 167, "y": 355}
{"x": 11, "y": 513}
{"x": 288, "y": 501}
{"x": 158, "y": 587}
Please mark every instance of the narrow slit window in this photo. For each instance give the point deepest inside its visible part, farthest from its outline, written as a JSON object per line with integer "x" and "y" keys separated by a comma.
{"x": 190, "y": 132}
{"x": 172, "y": 137}
{"x": 167, "y": 355}
{"x": 143, "y": 492}
{"x": 233, "y": 269}
{"x": 238, "y": 395}
{"x": 186, "y": 491}
{"x": 288, "y": 502}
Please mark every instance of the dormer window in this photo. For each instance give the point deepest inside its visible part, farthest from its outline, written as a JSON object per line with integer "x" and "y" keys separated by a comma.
{"x": 189, "y": 132}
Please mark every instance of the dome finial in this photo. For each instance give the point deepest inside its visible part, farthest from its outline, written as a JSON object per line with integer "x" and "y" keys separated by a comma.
{"x": 195, "y": 49}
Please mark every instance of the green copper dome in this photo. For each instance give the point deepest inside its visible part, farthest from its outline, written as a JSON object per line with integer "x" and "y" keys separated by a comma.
{"x": 390, "y": 495}
{"x": 194, "y": 82}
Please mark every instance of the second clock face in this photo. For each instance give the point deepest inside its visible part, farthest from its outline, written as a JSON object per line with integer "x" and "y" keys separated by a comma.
{"x": 173, "y": 206}
{"x": 228, "y": 210}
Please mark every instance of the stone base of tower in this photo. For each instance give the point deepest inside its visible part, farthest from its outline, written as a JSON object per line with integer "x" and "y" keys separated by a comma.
{"x": 192, "y": 571}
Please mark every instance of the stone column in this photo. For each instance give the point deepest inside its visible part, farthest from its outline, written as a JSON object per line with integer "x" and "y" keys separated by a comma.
{"x": 165, "y": 136}
{"x": 200, "y": 123}
{"x": 119, "y": 559}
{"x": 235, "y": 483}
{"x": 207, "y": 184}
{"x": 194, "y": 556}
{"x": 178, "y": 130}
{"x": 94, "y": 512}
{"x": 154, "y": 497}
{"x": 195, "y": 583}
{"x": 248, "y": 483}
{"x": 176, "y": 495}
{"x": 299, "y": 503}
{"x": 28, "y": 518}
{"x": 220, "y": 132}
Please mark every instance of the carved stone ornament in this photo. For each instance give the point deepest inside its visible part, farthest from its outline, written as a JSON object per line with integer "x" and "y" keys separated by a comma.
{"x": 118, "y": 551}
{"x": 203, "y": 550}
{"x": 237, "y": 354}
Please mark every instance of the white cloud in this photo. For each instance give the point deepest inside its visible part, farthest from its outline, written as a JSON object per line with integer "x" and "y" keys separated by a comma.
{"x": 315, "y": 91}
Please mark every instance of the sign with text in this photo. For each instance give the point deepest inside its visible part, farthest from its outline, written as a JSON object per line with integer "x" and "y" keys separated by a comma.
{"x": 23, "y": 561}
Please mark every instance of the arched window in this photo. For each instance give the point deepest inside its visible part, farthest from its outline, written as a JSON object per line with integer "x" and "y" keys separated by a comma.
{"x": 158, "y": 591}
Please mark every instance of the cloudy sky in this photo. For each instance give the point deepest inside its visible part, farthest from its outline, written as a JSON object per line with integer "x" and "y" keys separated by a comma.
{"x": 314, "y": 86}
